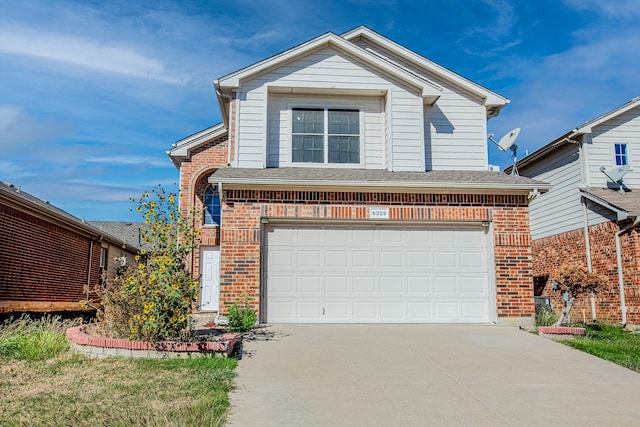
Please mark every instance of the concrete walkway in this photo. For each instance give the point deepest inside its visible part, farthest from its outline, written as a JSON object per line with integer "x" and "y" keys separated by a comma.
{"x": 417, "y": 375}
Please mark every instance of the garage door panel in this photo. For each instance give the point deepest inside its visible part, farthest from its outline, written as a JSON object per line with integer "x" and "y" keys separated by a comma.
{"x": 391, "y": 258}
{"x": 445, "y": 261}
{"x": 309, "y": 285}
{"x": 474, "y": 285}
{"x": 365, "y": 259}
{"x": 392, "y": 311}
{"x": 418, "y": 285}
{"x": 337, "y": 285}
{"x": 336, "y": 258}
{"x": 384, "y": 274}
{"x": 391, "y": 285}
{"x": 445, "y": 285}
{"x": 364, "y": 311}
{"x": 364, "y": 285}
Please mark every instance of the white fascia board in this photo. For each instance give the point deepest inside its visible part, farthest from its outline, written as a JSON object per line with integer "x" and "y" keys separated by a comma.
{"x": 588, "y": 126}
{"x": 181, "y": 148}
{"x": 429, "y": 91}
{"x": 401, "y": 186}
{"x": 490, "y": 98}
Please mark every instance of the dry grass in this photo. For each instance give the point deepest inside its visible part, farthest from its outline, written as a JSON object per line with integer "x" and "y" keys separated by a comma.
{"x": 73, "y": 390}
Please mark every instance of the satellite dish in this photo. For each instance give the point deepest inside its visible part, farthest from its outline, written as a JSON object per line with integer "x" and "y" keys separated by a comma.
{"x": 616, "y": 175}
{"x": 507, "y": 142}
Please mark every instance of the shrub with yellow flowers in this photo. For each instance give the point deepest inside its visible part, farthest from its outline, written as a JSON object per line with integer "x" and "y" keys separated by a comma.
{"x": 152, "y": 299}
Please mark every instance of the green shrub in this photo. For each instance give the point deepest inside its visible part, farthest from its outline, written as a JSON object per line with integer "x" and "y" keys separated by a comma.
{"x": 545, "y": 316}
{"x": 241, "y": 316}
{"x": 153, "y": 299}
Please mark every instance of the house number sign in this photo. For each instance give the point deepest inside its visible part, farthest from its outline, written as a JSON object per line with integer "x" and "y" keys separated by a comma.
{"x": 378, "y": 213}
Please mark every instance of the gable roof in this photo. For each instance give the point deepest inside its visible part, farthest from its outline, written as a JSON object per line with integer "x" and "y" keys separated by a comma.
{"x": 585, "y": 128}
{"x": 429, "y": 91}
{"x": 42, "y": 208}
{"x": 340, "y": 179}
{"x": 181, "y": 149}
{"x": 492, "y": 100}
{"x": 129, "y": 232}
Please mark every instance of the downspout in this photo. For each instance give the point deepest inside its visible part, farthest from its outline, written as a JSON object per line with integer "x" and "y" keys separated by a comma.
{"x": 623, "y": 309}
{"x": 587, "y": 248}
{"x": 225, "y": 115}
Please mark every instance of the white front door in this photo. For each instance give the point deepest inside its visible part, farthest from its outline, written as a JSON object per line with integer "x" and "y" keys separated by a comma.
{"x": 210, "y": 295}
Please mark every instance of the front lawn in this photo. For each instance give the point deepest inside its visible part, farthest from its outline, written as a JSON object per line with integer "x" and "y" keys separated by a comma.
{"x": 63, "y": 388}
{"x": 611, "y": 343}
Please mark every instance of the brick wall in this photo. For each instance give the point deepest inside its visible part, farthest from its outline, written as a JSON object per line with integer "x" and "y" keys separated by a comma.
{"x": 569, "y": 248}
{"x": 241, "y": 233}
{"x": 43, "y": 263}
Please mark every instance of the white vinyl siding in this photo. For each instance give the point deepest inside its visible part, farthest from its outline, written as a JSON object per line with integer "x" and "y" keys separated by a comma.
{"x": 560, "y": 209}
{"x": 455, "y": 127}
{"x": 328, "y": 69}
{"x": 378, "y": 274}
{"x": 624, "y": 129}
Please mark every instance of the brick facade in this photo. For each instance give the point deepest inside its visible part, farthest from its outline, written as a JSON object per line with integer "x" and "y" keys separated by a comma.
{"x": 242, "y": 211}
{"x": 570, "y": 248}
{"x": 43, "y": 266}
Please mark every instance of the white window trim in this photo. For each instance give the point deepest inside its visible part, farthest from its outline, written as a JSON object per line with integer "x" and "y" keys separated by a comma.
{"x": 613, "y": 154}
{"x": 325, "y": 106}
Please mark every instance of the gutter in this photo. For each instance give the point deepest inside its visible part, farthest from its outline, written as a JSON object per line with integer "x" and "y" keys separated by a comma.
{"x": 623, "y": 309}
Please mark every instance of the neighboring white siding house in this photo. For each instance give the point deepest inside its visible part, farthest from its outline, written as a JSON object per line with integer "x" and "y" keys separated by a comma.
{"x": 573, "y": 162}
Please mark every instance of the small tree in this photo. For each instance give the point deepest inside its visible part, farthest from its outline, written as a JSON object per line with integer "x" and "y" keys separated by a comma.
{"x": 576, "y": 281}
{"x": 152, "y": 300}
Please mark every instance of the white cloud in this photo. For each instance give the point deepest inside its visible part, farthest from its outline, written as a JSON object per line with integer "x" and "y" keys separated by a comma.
{"x": 128, "y": 160}
{"x": 627, "y": 9}
{"x": 84, "y": 52}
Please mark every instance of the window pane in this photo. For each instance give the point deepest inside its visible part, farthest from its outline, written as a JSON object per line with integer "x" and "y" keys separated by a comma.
{"x": 308, "y": 148}
{"x": 307, "y": 121}
{"x": 344, "y": 122}
{"x": 621, "y": 154}
{"x": 211, "y": 206}
{"x": 344, "y": 149}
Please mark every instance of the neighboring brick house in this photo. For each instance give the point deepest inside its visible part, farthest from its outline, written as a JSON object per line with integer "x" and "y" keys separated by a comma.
{"x": 584, "y": 201}
{"x": 49, "y": 258}
{"x": 349, "y": 182}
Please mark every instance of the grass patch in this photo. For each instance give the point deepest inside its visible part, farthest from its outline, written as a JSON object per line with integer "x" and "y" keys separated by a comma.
{"x": 611, "y": 343}
{"x": 34, "y": 339}
{"x": 71, "y": 389}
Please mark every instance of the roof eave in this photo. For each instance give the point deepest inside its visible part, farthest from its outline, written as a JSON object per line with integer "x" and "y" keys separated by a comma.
{"x": 463, "y": 187}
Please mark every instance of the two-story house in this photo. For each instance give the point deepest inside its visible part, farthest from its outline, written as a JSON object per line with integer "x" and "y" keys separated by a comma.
{"x": 349, "y": 182}
{"x": 590, "y": 216}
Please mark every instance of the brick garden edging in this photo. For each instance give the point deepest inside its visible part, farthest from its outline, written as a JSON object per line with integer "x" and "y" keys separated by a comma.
{"x": 560, "y": 330}
{"x": 107, "y": 347}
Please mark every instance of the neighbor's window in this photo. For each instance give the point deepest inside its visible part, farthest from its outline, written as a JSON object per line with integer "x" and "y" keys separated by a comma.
{"x": 622, "y": 157}
{"x": 325, "y": 135}
{"x": 211, "y": 206}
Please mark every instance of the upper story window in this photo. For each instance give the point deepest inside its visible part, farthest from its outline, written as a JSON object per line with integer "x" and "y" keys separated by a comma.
{"x": 621, "y": 154}
{"x": 211, "y": 206}
{"x": 325, "y": 135}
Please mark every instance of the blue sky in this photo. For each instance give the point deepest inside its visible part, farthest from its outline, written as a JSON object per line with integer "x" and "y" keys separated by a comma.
{"x": 93, "y": 93}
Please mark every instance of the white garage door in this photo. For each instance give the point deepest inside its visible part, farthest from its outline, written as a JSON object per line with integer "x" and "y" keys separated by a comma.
{"x": 377, "y": 274}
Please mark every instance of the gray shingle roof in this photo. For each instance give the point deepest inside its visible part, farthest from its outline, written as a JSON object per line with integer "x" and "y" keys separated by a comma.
{"x": 628, "y": 202}
{"x": 129, "y": 232}
{"x": 344, "y": 176}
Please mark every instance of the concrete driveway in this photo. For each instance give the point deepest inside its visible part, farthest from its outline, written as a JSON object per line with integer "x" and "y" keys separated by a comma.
{"x": 419, "y": 375}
